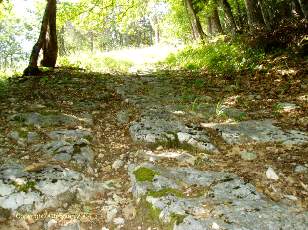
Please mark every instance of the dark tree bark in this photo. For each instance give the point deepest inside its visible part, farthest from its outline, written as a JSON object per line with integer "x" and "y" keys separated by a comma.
{"x": 216, "y": 22}
{"x": 209, "y": 25}
{"x": 50, "y": 47}
{"x": 265, "y": 15}
{"x": 48, "y": 44}
{"x": 304, "y": 7}
{"x": 229, "y": 15}
{"x": 255, "y": 18}
{"x": 196, "y": 21}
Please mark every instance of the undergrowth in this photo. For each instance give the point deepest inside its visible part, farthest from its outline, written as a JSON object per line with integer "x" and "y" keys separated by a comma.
{"x": 96, "y": 62}
{"x": 220, "y": 57}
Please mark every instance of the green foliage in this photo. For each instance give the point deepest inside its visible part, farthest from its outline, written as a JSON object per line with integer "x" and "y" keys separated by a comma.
{"x": 3, "y": 84}
{"x": 144, "y": 174}
{"x": 98, "y": 62}
{"x": 218, "y": 58}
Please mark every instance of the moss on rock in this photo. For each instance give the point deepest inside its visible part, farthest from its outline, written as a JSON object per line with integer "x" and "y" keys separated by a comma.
{"x": 165, "y": 192}
{"x": 144, "y": 174}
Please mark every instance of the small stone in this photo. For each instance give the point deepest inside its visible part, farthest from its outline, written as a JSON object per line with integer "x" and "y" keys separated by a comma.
{"x": 51, "y": 224}
{"x": 118, "y": 221}
{"x": 104, "y": 228}
{"x": 300, "y": 169}
{"x": 74, "y": 226}
{"x": 248, "y": 156}
{"x": 215, "y": 226}
{"x": 270, "y": 174}
{"x": 123, "y": 117}
{"x": 27, "y": 157}
{"x": 159, "y": 148}
{"x": 117, "y": 164}
{"x": 290, "y": 197}
{"x": 207, "y": 98}
{"x": 285, "y": 106}
{"x": 107, "y": 168}
{"x": 111, "y": 212}
{"x": 90, "y": 170}
{"x": 129, "y": 212}
{"x": 258, "y": 97}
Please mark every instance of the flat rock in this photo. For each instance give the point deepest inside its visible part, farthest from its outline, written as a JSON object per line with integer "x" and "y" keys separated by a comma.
{"x": 70, "y": 134}
{"x": 180, "y": 156}
{"x": 257, "y": 131}
{"x": 157, "y": 126}
{"x": 222, "y": 200}
{"x": 23, "y": 137}
{"x": 39, "y": 120}
{"x": 300, "y": 169}
{"x": 123, "y": 117}
{"x": 78, "y": 151}
{"x": 285, "y": 106}
{"x": 248, "y": 156}
{"x": 49, "y": 187}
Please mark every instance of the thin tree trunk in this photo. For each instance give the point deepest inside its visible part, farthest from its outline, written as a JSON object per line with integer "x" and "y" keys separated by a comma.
{"x": 196, "y": 20}
{"x": 62, "y": 50}
{"x": 32, "y": 68}
{"x": 229, "y": 15}
{"x": 50, "y": 47}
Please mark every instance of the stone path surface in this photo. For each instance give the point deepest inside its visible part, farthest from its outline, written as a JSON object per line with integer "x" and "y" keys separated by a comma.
{"x": 92, "y": 151}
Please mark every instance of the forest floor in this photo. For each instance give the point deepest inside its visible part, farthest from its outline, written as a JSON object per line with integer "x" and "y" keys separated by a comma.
{"x": 101, "y": 151}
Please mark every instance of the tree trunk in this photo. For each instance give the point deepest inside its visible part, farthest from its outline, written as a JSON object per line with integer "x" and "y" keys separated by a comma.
{"x": 49, "y": 44}
{"x": 196, "y": 20}
{"x": 265, "y": 15}
{"x": 193, "y": 30}
{"x": 50, "y": 47}
{"x": 216, "y": 22}
{"x": 157, "y": 34}
{"x": 304, "y": 7}
{"x": 62, "y": 50}
{"x": 229, "y": 15}
{"x": 240, "y": 20}
{"x": 297, "y": 11}
{"x": 254, "y": 14}
{"x": 209, "y": 25}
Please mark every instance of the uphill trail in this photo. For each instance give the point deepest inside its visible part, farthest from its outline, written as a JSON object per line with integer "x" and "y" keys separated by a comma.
{"x": 160, "y": 150}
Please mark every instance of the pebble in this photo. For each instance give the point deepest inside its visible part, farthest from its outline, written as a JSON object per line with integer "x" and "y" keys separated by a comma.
{"x": 117, "y": 164}
{"x": 51, "y": 224}
{"x": 129, "y": 212}
{"x": 248, "y": 156}
{"x": 300, "y": 169}
{"x": 119, "y": 221}
{"x": 270, "y": 174}
{"x": 159, "y": 148}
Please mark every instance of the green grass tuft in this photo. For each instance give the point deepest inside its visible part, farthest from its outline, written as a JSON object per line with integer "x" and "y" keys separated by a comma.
{"x": 217, "y": 58}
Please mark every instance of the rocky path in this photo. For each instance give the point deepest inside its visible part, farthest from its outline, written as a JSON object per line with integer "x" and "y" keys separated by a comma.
{"x": 92, "y": 151}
